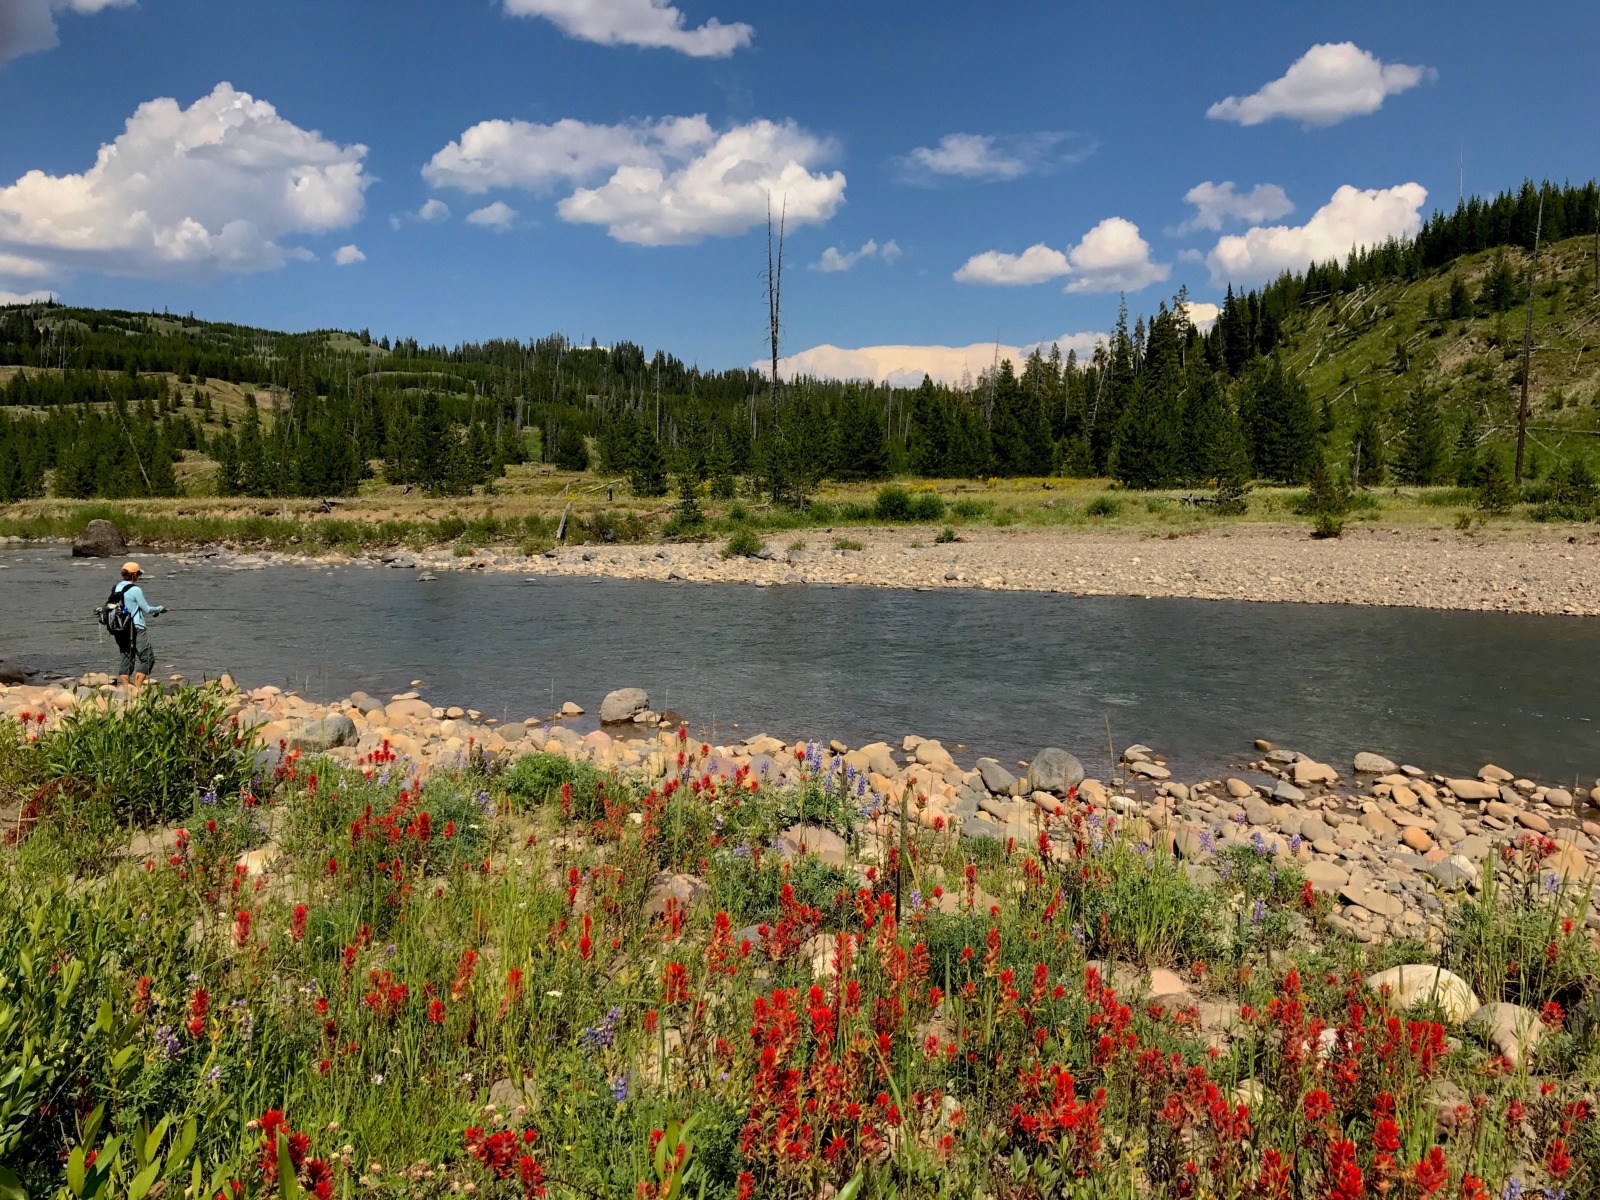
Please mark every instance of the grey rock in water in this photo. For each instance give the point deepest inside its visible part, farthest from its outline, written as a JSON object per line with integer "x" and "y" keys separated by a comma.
{"x": 1368, "y": 763}
{"x": 623, "y": 705}
{"x": 995, "y": 777}
{"x": 1054, "y": 770}
{"x": 322, "y": 734}
{"x": 99, "y": 539}
{"x": 11, "y": 674}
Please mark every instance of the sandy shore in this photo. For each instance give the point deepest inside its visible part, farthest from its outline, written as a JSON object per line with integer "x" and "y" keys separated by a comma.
{"x": 1528, "y": 572}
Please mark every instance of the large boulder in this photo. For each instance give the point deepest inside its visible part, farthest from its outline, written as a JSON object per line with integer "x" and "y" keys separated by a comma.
{"x": 1419, "y": 983}
{"x": 322, "y": 734}
{"x": 995, "y": 777}
{"x": 623, "y": 705}
{"x": 99, "y": 539}
{"x": 12, "y": 675}
{"x": 1513, "y": 1030}
{"x": 1054, "y": 770}
{"x": 1368, "y": 763}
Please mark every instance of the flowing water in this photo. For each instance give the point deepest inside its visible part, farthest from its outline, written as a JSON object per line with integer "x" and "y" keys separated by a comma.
{"x": 1002, "y": 674}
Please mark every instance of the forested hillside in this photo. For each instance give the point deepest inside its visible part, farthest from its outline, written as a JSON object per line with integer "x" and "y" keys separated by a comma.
{"x": 1402, "y": 363}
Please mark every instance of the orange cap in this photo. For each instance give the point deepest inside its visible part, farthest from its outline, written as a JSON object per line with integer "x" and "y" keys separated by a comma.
{"x": 131, "y": 568}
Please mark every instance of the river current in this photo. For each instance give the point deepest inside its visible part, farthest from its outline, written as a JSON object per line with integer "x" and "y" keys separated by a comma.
{"x": 1001, "y": 673}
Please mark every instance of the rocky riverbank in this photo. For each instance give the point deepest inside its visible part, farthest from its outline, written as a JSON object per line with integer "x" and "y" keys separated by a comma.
{"x": 1386, "y": 840}
{"x": 1550, "y": 572}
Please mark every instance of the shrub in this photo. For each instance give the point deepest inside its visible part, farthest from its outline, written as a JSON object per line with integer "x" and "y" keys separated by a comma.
{"x": 893, "y": 503}
{"x": 745, "y": 543}
{"x": 1103, "y": 506}
{"x": 928, "y": 506}
{"x": 971, "y": 510}
{"x": 148, "y": 761}
{"x": 847, "y": 544}
{"x": 946, "y": 535}
{"x": 1328, "y": 525}
{"x": 537, "y": 779}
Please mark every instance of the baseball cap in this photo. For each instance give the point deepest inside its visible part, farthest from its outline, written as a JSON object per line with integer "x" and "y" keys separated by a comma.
{"x": 131, "y": 568}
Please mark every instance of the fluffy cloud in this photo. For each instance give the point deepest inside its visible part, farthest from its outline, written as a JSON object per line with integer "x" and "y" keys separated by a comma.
{"x": 217, "y": 186}
{"x": 834, "y": 259}
{"x": 30, "y": 25}
{"x": 991, "y": 158}
{"x": 1215, "y": 203}
{"x": 23, "y": 297}
{"x": 1351, "y": 218}
{"x": 651, "y": 23}
{"x": 1203, "y": 314}
{"x": 497, "y": 216}
{"x": 348, "y": 256}
{"x": 1112, "y": 257}
{"x": 1036, "y": 264}
{"x": 905, "y": 366}
{"x": 1324, "y": 86}
{"x": 668, "y": 182}
{"x": 433, "y": 211}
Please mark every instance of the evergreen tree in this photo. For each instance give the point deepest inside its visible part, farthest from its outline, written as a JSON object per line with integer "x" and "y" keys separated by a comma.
{"x": 1421, "y": 456}
{"x": 1279, "y": 421}
{"x": 932, "y": 430}
{"x": 571, "y": 453}
{"x": 1468, "y": 463}
{"x": 1369, "y": 460}
{"x": 861, "y": 447}
{"x": 1209, "y": 424}
{"x": 720, "y": 467}
{"x": 1495, "y": 491}
{"x": 647, "y": 467}
{"x": 1460, "y": 302}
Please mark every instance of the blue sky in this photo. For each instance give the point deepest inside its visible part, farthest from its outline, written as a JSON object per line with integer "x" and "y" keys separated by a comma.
{"x": 980, "y": 174}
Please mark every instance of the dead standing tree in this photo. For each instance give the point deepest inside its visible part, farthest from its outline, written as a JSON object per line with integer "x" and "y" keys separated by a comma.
{"x": 775, "y": 289}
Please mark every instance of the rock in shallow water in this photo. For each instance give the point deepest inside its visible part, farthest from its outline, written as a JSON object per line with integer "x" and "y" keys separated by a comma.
{"x": 623, "y": 705}
{"x": 1054, "y": 770}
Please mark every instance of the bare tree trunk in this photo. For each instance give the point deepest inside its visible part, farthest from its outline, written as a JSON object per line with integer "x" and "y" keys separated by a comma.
{"x": 775, "y": 288}
{"x": 1527, "y": 344}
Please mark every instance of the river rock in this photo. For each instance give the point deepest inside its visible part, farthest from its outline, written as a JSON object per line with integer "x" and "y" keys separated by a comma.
{"x": 1417, "y": 839}
{"x": 1150, "y": 770}
{"x": 814, "y": 839}
{"x": 1372, "y": 900}
{"x": 623, "y": 705}
{"x": 1287, "y": 793}
{"x": 1305, "y": 772}
{"x": 11, "y": 675}
{"x": 322, "y": 734}
{"x": 1324, "y": 875}
{"x": 1054, "y": 770}
{"x": 685, "y": 889}
{"x": 1473, "y": 789}
{"x": 1368, "y": 763}
{"x": 1239, "y": 789}
{"x": 1533, "y": 821}
{"x": 99, "y": 539}
{"x": 1494, "y": 774}
{"x": 1419, "y": 983}
{"x": 995, "y": 777}
{"x": 1510, "y": 1028}
{"x": 1558, "y": 798}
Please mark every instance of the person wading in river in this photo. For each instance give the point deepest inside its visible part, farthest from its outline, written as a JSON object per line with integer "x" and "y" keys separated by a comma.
{"x": 138, "y": 656}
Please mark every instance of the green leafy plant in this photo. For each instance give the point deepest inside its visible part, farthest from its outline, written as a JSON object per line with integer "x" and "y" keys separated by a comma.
{"x": 744, "y": 543}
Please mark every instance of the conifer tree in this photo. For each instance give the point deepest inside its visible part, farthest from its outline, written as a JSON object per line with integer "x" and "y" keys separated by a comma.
{"x": 1468, "y": 463}
{"x": 932, "y": 430}
{"x": 1279, "y": 421}
{"x": 647, "y": 470}
{"x": 571, "y": 453}
{"x": 1421, "y": 456}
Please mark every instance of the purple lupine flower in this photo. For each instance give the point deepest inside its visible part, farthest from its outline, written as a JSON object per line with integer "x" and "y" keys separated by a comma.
{"x": 619, "y": 1088}
{"x": 168, "y": 1041}
{"x": 1258, "y": 912}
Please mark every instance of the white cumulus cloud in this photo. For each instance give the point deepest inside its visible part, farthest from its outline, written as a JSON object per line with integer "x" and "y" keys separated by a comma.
{"x": 655, "y": 24}
{"x": 1036, "y": 264}
{"x": 904, "y": 366}
{"x": 1203, "y": 314}
{"x": 672, "y": 181}
{"x": 1112, "y": 257}
{"x": 835, "y": 259}
{"x": 27, "y": 26}
{"x": 1327, "y": 84}
{"x": 497, "y": 216}
{"x": 23, "y": 297}
{"x": 218, "y": 186}
{"x": 433, "y": 211}
{"x": 1215, "y": 203}
{"x": 348, "y": 256}
{"x": 992, "y": 158}
{"x": 1351, "y": 218}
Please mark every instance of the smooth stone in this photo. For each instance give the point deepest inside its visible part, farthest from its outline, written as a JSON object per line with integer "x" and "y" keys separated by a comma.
{"x": 99, "y": 539}
{"x": 1054, "y": 770}
{"x": 1512, "y": 1029}
{"x": 1372, "y": 900}
{"x": 1324, "y": 875}
{"x": 1494, "y": 774}
{"x": 623, "y": 705}
{"x": 1473, "y": 789}
{"x": 995, "y": 777}
{"x": 323, "y": 734}
{"x": 1414, "y": 984}
{"x": 1368, "y": 763}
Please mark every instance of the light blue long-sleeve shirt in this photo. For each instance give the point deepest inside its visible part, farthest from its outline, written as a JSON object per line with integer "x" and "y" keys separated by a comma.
{"x": 133, "y": 600}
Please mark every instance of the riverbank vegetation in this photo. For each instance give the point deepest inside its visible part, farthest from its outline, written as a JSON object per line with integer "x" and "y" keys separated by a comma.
{"x": 1401, "y": 365}
{"x": 535, "y": 978}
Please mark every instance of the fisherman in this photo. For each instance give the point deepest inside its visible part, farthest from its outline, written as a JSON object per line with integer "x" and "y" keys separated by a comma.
{"x": 138, "y": 656}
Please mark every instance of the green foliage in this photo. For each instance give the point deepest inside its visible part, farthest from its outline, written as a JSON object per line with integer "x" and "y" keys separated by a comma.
{"x": 539, "y": 779}
{"x": 1496, "y": 493}
{"x": 946, "y": 536}
{"x": 744, "y": 543}
{"x": 1278, "y": 421}
{"x": 896, "y": 504}
{"x": 1103, "y": 506}
{"x": 149, "y": 761}
{"x": 1421, "y": 458}
{"x": 572, "y": 453}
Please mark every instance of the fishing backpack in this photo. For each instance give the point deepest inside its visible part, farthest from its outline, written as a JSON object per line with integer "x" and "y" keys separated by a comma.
{"x": 114, "y": 615}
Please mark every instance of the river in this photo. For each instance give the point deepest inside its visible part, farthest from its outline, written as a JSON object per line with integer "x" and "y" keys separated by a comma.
{"x": 1001, "y": 673}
